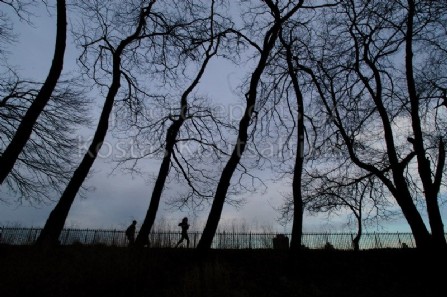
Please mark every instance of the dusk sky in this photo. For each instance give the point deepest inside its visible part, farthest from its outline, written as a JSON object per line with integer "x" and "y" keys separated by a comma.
{"x": 115, "y": 199}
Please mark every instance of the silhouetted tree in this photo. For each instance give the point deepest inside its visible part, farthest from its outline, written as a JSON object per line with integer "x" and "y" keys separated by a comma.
{"x": 172, "y": 132}
{"x": 328, "y": 186}
{"x": 282, "y": 118}
{"x": 11, "y": 153}
{"x": 298, "y": 207}
{"x": 269, "y": 41}
{"x": 110, "y": 46}
{"x": 333, "y": 191}
{"x": 367, "y": 97}
{"x": 279, "y": 128}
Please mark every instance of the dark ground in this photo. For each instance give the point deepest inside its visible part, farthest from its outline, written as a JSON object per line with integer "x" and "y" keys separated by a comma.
{"x": 108, "y": 271}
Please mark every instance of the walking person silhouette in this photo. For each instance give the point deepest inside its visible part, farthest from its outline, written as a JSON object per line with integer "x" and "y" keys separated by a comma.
{"x": 130, "y": 233}
{"x": 185, "y": 226}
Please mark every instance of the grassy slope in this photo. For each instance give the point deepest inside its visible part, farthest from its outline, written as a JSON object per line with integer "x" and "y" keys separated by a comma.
{"x": 107, "y": 271}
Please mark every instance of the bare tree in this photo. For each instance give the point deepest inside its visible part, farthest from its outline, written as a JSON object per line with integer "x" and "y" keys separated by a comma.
{"x": 341, "y": 188}
{"x": 281, "y": 117}
{"x": 269, "y": 41}
{"x": 298, "y": 207}
{"x": 430, "y": 182}
{"x": 368, "y": 97}
{"x": 106, "y": 45}
{"x": 281, "y": 120}
{"x": 11, "y": 153}
{"x": 172, "y": 134}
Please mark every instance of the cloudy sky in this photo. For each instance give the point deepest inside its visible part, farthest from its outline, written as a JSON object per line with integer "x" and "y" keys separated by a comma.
{"x": 115, "y": 199}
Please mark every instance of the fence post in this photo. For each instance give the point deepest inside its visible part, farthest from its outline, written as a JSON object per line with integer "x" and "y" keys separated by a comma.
{"x": 66, "y": 236}
{"x": 378, "y": 244}
{"x": 30, "y": 235}
{"x": 352, "y": 241}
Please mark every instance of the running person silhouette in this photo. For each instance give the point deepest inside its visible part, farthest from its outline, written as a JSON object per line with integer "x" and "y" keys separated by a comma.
{"x": 185, "y": 226}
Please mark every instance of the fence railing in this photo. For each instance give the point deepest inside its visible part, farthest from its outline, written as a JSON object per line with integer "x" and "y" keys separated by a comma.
{"x": 222, "y": 240}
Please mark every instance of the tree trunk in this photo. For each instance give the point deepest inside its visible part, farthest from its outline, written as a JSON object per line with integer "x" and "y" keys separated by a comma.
{"x": 225, "y": 178}
{"x": 424, "y": 168}
{"x": 23, "y": 133}
{"x": 298, "y": 208}
{"x": 297, "y": 226}
{"x": 159, "y": 184}
{"x": 219, "y": 198}
{"x": 55, "y": 222}
{"x": 356, "y": 240}
{"x": 435, "y": 219}
{"x": 410, "y": 212}
{"x": 436, "y": 225}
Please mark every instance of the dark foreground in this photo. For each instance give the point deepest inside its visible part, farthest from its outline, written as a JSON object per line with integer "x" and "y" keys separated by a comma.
{"x": 107, "y": 271}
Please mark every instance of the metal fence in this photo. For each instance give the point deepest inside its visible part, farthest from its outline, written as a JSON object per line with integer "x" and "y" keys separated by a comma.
{"x": 222, "y": 240}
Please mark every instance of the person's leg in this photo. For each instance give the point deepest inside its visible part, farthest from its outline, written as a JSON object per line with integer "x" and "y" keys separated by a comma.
{"x": 187, "y": 240}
